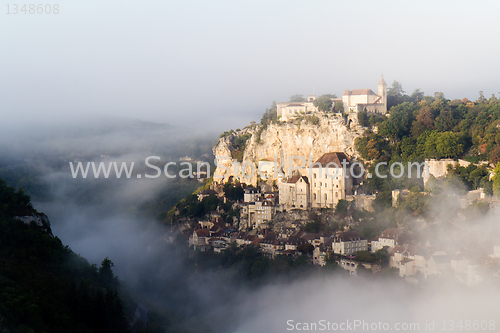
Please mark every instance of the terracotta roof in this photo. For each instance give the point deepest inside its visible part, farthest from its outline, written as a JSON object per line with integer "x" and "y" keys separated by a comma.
{"x": 390, "y": 233}
{"x": 349, "y": 236}
{"x": 359, "y": 92}
{"x": 335, "y": 157}
{"x": 398, "y": 249}
{"x": 202, "y": 232}
{"x": 256, "y": 241}
{"x": 310, "y": 237}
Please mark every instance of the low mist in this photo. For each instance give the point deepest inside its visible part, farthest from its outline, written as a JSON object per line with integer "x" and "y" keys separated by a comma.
{"x": 101, "y": 218}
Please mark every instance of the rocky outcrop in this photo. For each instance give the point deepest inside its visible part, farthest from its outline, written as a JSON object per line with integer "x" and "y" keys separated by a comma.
{"x": 300, "y": 137}
{"x": 40, "y": 219}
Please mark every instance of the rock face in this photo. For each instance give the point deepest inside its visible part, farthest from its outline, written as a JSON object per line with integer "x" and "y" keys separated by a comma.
{"x": 284, "y": 140}
{"x": 39, "y": 219}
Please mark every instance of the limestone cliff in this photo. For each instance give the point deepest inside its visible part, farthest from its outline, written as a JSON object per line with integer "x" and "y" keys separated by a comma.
{"x": 309, "y": 137}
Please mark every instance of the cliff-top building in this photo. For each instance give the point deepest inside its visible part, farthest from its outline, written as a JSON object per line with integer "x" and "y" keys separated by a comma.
{"x": 286, "y": 110}
{"x": 365, "y": 99}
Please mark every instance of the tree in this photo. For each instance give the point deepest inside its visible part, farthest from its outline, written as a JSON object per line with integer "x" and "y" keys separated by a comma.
{"x": 363, "y": 118}
{"x": 106, "y": 276}
{"x": 496, "y": 180}
{"x": 424, "y": 121}
{"x": 338, "y": 107}
{"x": 399, "y": 123}
{"x": 297, "y": 98}
{"x": 449, "y": 145}
{"x": 342, "y": 207}
{"x": 495, "y": 155}
{"x": 396, "y": 90}
{"x": 382, "y": 256}
{"x": 305, "y": 248}
{"x": 323, "y": 103}
{"x": 395, "y": 95}
{"x": 417, "y": 95}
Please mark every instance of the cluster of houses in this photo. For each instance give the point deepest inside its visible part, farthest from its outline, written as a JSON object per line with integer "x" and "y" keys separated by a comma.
{"x": 413, "y": 259}
{"x": 322, "y": 185}
{"x": 217, "y": 235}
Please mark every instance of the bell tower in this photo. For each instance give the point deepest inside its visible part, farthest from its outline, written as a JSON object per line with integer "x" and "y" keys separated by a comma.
{"x": 382, "y": 92}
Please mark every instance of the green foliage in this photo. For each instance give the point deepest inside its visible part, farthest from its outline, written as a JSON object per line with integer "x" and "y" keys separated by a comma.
{"x": 239, "y": 145}
{"x": 312, "y": 227}
{"x": 365, "y": 256}
{"x": 226, "y": 133}
{"x": 342, "y": 207}
{"x": 472, "y": 176}
{"x": 423, "y": 127}
{"x": 306, "y": 248}
{"x": 313, "y": 120}
{"x": 233, "y": 192}
{"x": 44, "y": 286}
{"x": 496, "y": 180}
{"x": 270, "y": 116}
{"x": 399, "y": 123}
{"x": 323, "y": 103}
{"x": 363, "y": 119}
{"x": 297, "y": 98}
{"x": 338, "y": 107}
{"x": 192, "y": 207}
{"x": 443, "y": 145}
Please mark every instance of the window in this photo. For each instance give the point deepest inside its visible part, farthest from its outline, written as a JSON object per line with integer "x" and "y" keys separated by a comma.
{"x": 314, "y": 196}
{"x": 326, "y": 197}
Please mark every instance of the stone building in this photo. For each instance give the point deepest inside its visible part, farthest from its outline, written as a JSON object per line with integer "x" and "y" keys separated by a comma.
{"x": 329, "y": 180}
{"x": 287, "y": 110}
{"x": 365, "y": 99}
{"x": 348, "y": 243}
{"x": 294, "y": 193}
{"x": 257, "y": 213}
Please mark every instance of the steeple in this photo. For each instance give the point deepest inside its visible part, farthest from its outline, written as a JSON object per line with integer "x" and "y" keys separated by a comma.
{"x": 382, "y": 82}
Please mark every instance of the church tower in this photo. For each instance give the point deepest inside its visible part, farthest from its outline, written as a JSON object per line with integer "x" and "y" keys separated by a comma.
{"x": 382, "y": 91}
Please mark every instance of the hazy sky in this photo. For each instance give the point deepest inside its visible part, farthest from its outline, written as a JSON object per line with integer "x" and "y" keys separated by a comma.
{"x": 221, "y": 63}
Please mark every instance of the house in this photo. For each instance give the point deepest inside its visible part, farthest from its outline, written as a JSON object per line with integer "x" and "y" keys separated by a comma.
{"x": 199, "y": 239}
{"x": 258, "y": 212}
{"x": 406, "y": 267}
{"x": 320, "y": 254}
{"x": 287, "y": 110}
{"x": 438, "y": 264}
{"x": 330, "y": 180}
{"x": 365, "y": 99}
{"x": 348, "y": 243}
{"x": 389, "y": 237}
{"x": 294, "y": 193}
{"x": 251, "y": 194}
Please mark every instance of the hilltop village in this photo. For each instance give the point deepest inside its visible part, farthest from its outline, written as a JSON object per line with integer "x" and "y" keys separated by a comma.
{"x": 294, "y": 209}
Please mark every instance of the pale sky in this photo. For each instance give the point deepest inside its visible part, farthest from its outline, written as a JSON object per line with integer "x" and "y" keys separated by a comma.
{"x": 221, "y": 63}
